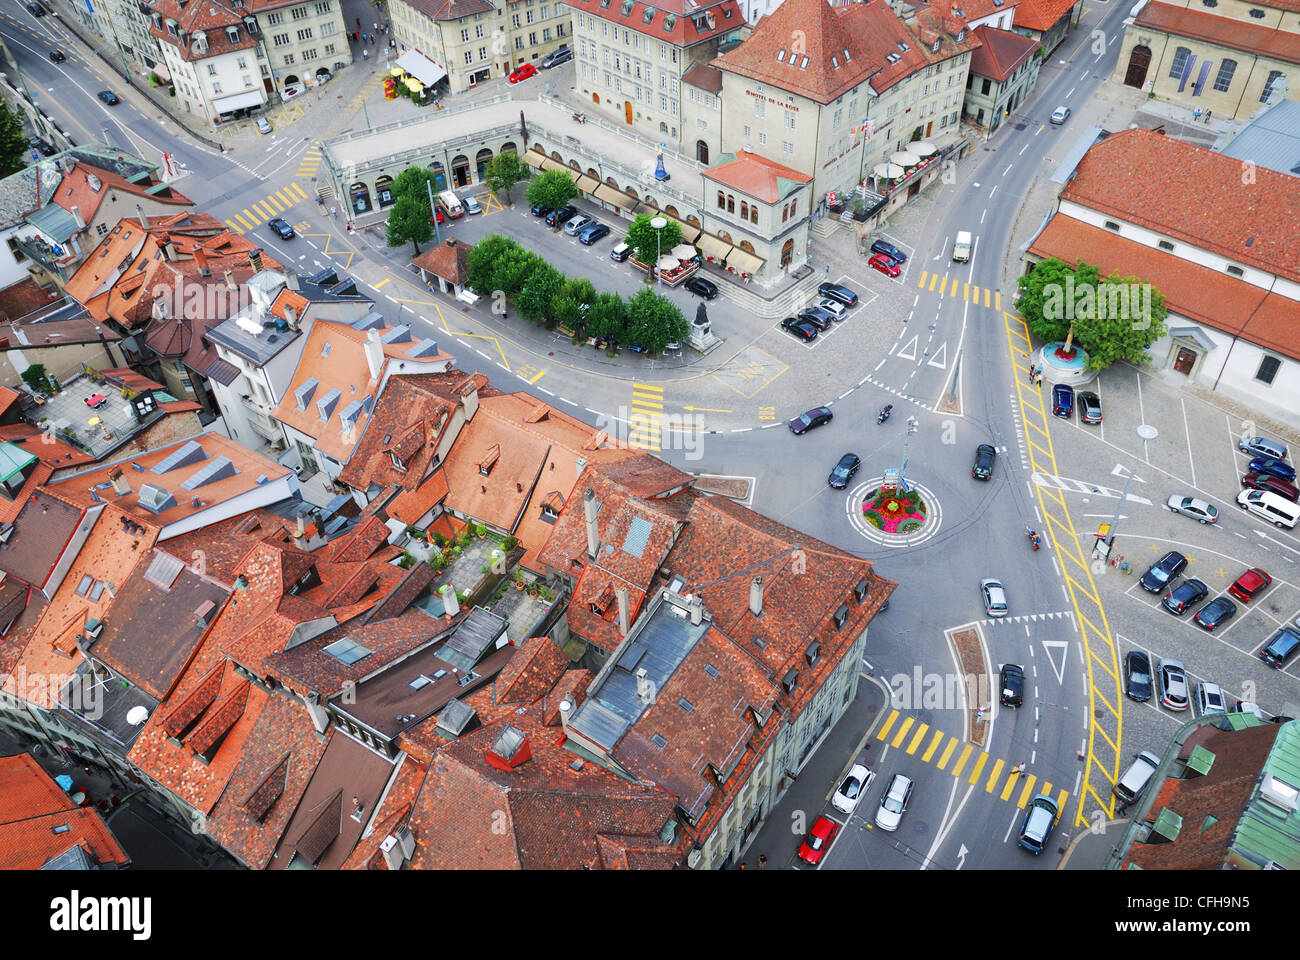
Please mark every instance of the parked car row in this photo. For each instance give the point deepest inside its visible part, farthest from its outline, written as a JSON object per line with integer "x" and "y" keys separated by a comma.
{"x": 833, "y": 304}
{"x": 1063, "y": 398}
{"x": 1269, "y": 488}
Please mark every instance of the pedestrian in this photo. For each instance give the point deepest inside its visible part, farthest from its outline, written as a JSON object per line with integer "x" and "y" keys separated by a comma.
{"x": 372, "y": 41}
{"x": 365, "y": 54}
{"x": 1019, "y": 768}
{"x": 365, "y": 38}
{"x": 1208, "y": 114}
{"x": 1038, "y": 379}
{"x": 762, "y": 860}
{"x": 334, "y": 212}
{"x": 376, "y": 26}
{"x": 358, "y": 23}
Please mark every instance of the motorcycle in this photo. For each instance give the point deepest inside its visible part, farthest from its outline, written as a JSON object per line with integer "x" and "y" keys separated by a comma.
{"x": 1033, "y": 538}
{"x": 884, "y": 414}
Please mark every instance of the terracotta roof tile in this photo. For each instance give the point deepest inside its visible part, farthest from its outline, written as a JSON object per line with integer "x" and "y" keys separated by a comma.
{"x": 757, "y": 176}
{"x": 681, "y": 30}
{"x": 531, "y": 672}
{"x": 1041, "y": 15}
{"x": 394, "y": 810}
{"x": 1000, "y": 52}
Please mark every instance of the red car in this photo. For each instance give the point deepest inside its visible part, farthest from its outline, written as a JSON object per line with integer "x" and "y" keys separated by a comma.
{"x": 438, "y": 215}
{"x": 1263, "y": 481}
{"x": 884, "y": 264}
{"x": 818, "y": 841}
{"x": 523, "y": 73}
{"x": 1250, "y": 583}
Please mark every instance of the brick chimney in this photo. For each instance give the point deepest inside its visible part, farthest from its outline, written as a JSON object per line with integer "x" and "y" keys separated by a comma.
{"x": 120, "y": 485}
{"x": 623, "y": 612}
{"x": 291, "y": 316}
{"x": 230, "y": 280}
{"x": 255, "y": 259}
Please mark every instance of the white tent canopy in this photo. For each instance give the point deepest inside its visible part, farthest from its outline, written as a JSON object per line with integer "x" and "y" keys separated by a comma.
{"x": 905, "y": 159}
{"x": 684, "y": 251}
{"x": 421, "y": 67}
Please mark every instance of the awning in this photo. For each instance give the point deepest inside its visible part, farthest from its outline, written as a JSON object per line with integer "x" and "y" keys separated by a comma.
{"x": 683, "y": 251}
{"x": 533, "y": 159}
{"x": 744, "y": 261}
{"x": 586, "y": 184}
{"x": 250, "y": 98}
{"x": 161, "y": 72}
{"x": 421, "y": 67}
{"x": 610, "y": 195}
{"x": 550, "y": 163}
{"x": 689, "y": 230}
{"x": 711, "y": 246}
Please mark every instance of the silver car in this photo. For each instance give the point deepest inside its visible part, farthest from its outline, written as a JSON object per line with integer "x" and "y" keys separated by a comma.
{"x": 1262, "y": 447}
{"x": 894, "y": 803}
{"x": 1060, "y": 114}
{"x": 833, "y": 307}
{"x": 1193, "y": 507}
{"x": 574, "y": 226}
{"x": 1210, "y": 698}
{"x": 995, "y": 598}
{"x": 1172, "y": 677}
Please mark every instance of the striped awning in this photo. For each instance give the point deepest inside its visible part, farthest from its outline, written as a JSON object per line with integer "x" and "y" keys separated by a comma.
{"x": 711, "y": 246}
{"x": 744, "y": 261}
{"x": 607, "y": 193}
{"x": 550, "y": 163}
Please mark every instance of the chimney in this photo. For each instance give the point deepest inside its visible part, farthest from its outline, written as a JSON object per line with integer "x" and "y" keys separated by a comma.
{"x": 291, "y": 316}
{"x": 319, "y": 717}
{"x": 697, "y": 611}
{"x": 159, "y": 310}
{"x": 76, "y": 215}
{"x": 566, "y": 708}
{"x": 449, "y": 601}
{"x": 201, "y": 259}
{"x": 230, "y": 280}
{"x": 203, "y": 614}
{"x": 593, "y": 532}
{"x": 623, "y": 625}
{"x": 120, "y": 485}
{"x": 255, "y": 258}
{"x": 374, "y": 353}
{"x": 642, "y": 685}
{"x": 756, "y": 596}
{"x": 300, "y": 526}
{"x": 144, "y": 222}
{"x": 169, "y": 248}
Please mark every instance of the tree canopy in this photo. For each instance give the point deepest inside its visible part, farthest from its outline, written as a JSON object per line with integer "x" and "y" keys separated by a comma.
{"x": 13, "y": 145}
{"x": 552, "y": 188}
{"x": 646, "y": 242}
{"x": 408, "y": 220}
{"x": 653, "y": 321}
{"x": 504, "y": 171}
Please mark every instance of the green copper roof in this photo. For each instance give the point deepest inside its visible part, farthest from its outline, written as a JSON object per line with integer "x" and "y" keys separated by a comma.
{"x": 1269, "y": 827}
{"x": 13, "y": 460}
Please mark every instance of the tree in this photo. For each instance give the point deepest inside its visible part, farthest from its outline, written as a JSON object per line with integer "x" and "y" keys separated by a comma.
{"x": 409, "y": 220}
{"x": 607, "y": 318}
{"x": 646, "y": 242}
{"x": 504, "y": 171}
{"x": 1038, "y": 286}
{"x": 514, "y": 269}
{"x": 483, "y": 259}
{"x": 411, "y": 183}
{"x": 567, "y": 304}
{"x": 36, "y": 378}
{"x": 553, "y": 189}
{"x": 13, "y": 145}
{"x": 537, "y": 292}
{"x": 654, "y": 321}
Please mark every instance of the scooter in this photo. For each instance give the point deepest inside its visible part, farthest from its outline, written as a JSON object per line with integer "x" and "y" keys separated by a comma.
{"x": 1033, "y": 538}
{"x": 884, "y": 414}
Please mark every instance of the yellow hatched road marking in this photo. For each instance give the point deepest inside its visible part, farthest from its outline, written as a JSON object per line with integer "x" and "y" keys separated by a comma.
{"x": 889, "y": 722}
{"x": 961, "y": 761}
{"x": 902, "y": 731}
{"x": 916, "y": 740}
{"x": 979, "y": 767}
{"x": 381, "y": 283}
{"x": 934, "y": 745}
{"x": 993, "y": 777}
{"x": 1027, "y": 792}
{"x": 947, "y": 752}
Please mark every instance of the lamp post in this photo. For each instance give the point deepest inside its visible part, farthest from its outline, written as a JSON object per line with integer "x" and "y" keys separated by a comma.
{"x": 1146, "y": 433}
{"x": 658, "y": 223}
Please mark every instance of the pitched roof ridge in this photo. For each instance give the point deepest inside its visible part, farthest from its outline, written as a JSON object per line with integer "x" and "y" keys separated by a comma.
{"x": 195, "y": 702}
{"x": 219, "y": 721}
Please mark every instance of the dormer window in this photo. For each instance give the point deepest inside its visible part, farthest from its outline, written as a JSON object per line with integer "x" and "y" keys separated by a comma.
{"x": 232, "y": 34}
{"x": 670, "y": 21}
{"x": 171, "y": 28}
{"x": 649, "y": 15}
{"x": 835, "y": 61}
{"x": 961, "y": 34}
{"x": 627, "y": 6}
{"x": 396, "y": 461}
{"x": 934, "y": 47}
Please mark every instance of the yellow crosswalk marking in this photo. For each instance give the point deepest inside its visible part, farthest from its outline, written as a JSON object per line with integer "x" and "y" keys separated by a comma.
{"x": 1045, "y": 788}
{"x": 234, "y": 226}
{"x": 274, "y": 204}
{"x": 1061, "y": 797}
{"x": 287, "y": 200}
{"x": 994, "y": 776}
{"x": 921, "y": 282}
{"x": 965, "y": 291}
{"x": 916, "y": 740}
{"x": 1027, "y": 792}
{"x": 947, "y": 752}
{"x": 252, "y": 216}
{"x": 889, "y": 722}
{"x": 647, "y": 404}
{"x": 647, "y": 386}
{"x": 997, "y": 300}
{"x": 961, "y": 761}
{"x": 1010, "y": 785}
{"x": 934, "y": 745}
{"x": 975, "y": 296}
{"x": 934, "y": 278}
{"x": 264, "y": 210}
{"x": 902, "y": 731}
{"x": 979, "y": 767}
{"x": 247, "y": 225}
{"x": 297, "y": 189}
{"x": 986, "y": 297}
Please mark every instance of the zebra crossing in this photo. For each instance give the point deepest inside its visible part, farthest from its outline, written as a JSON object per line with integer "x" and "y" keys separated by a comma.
{"x": 946, "y": 286}
{"x": 645, "y": 421}
{"x": 273, "y": 205}
{"x": 309, "y": 163}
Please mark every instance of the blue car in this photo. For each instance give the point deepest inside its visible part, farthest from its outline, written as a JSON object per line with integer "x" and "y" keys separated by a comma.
{"x": 1063, "y": 401}
{"x": 1273, "y": 467}
{"x": 591, "y": 233}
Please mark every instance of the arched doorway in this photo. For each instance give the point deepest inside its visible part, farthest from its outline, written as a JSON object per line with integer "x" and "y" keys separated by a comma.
{"x": 321, "y": 72}
{"x": 701, "y": 151}
{"x": 672, "y": 211}
{"x": 460, "y": 170}
{"x": 359, "y": 194}
{"x": 787, "y": 253}
{"x": 384, "y": 191}
{"x": 439, "y": 175}
{"x": 1138, "y": 62}
{"x": 509, "y": 147}
{"x": 481, "y": 161}
{"x": 291, "y": 79}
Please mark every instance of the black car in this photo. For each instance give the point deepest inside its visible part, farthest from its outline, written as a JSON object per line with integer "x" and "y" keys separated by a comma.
{"x": 1137, "y": 671}
{"x": 889, "y": 250}
{"x": 1189, "y": 592}
{"x": 36, "y": 9}
{"x": 46, "y": 148}
{"x": 57, "y": 56}
{"x": 109, "y": 97}
{"x": 702, "y": 287}
{"x": 1089, "y": 408}
{"x": 541, "y": 210}
{"x": 563, "y": 215}
{"x": 1163, "y": 571}
{"x": 844, "y": 471}
{"x": 985, "y": 456}
{"x": 1215, "y": 613}
{"x": 557, "y": 57}
{"x": 1013, "y": 685}
{"x": 813, "y": 418}
{"x": 817, "y": 319}
{"x": 281, "y": 228}
{"x": 800, "y": 328}
{"x": 822, "y": 314}
{"x": 837, "y": 291}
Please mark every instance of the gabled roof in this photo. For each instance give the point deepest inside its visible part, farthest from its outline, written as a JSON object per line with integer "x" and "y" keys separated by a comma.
{"x": 1000, "y": 52}
{"x": 448, "y": 260}
{"x": 39, "y": 822}
{"x": 531, "y": 672}
{"x": 1041, "y": 15}
{"x": 43, "y": 526}
{"x": 756, "y": 176}
{"x": 86, "y": 189}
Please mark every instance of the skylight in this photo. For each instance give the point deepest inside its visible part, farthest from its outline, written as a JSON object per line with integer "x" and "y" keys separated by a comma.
{"x": 347, "y": 651}
{"x": 780, "y": 56}
{"x": 803, "y": 64}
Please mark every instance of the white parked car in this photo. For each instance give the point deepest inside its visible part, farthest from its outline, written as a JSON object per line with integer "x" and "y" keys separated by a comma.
{"x": 471, "y": 205}
{"x": 833, "y": 307}
{"x": 894, "y": 803}
{"x": 851, "y": 791}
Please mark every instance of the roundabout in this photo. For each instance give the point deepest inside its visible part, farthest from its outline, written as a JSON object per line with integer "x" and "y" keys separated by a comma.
{"x": 899, "y": 519}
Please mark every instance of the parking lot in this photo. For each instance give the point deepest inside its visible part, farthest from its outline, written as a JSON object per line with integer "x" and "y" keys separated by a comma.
{"x": 1194, "y": 454}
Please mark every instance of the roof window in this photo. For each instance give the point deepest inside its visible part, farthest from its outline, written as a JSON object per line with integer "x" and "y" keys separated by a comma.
{"x": 347, "y": 651}
{"x": 780, "y": 56}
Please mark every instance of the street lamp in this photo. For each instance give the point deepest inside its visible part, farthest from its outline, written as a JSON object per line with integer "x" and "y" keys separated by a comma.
{"x": 1146, "y": 433}
{"x": 659, "y": 223}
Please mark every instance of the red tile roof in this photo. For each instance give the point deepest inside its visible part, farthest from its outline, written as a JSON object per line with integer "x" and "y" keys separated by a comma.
{"x": 449, "y": 260}
{"x": 1041, "y": 15}
{"x": 1223, "y": 32}
{"x": 531, "y": 672}
{"x": 1000, "y": 52}
{"x": 757, "y": 176}
{"x": 33, "y": 806}
{"x": 78, "y": 189}
{"x": 681, "y": 30}
{"x": 1189, "y": 193}
{"x": 394, "y": 810}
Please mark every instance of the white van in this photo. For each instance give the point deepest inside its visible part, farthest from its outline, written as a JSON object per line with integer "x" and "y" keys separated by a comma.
{"x": 450, "y": 204}
{"x": 1270, "y": 506}
{"x": 961, "y": 247}
{"x": 1130, "y": 786}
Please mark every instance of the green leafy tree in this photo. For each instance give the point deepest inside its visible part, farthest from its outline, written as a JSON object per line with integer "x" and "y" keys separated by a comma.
{"x": 408, "y": 220}
{"x": 514, "y": 269}
{"x": 483, "y": 259}
{"x": 1042, "y": 292}
{"x": 504, "y": 171}
{"x": 552, "y": 188}
{"x": 580, "y": 289}
{"x": 36, "y": 377}
{"x": 654, "y": 321}
{"x": 565, "y": 311}
{"x": 13, "y": 145}
{"x": 646, "y": 241}
{"x": 412, "y": 181}
{"x": 537, "y": 292}
{"x": 607, "y": 317}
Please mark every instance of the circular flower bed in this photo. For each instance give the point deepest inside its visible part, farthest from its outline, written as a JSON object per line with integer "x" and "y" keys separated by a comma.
{"x": 902, "y": 513}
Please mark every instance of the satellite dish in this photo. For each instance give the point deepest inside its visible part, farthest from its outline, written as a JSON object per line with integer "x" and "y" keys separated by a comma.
{"x": 137, "y": 715}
